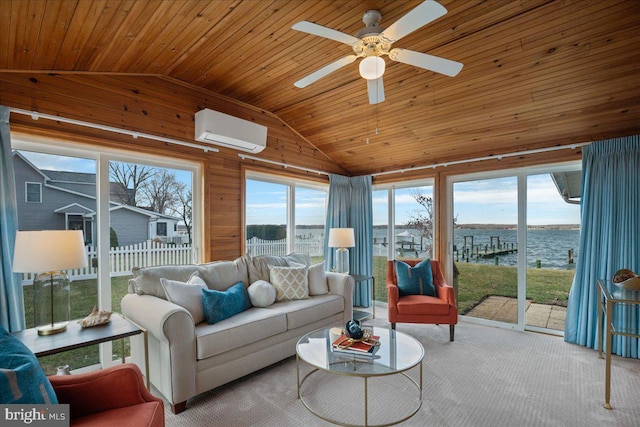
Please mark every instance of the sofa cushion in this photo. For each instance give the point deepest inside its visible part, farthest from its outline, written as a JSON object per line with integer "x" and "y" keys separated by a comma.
{"x": 303, "y": 312}
{"x": 259, "y": 265}
{"x": 291, "y": 283}
{"x": 318, "y": 280}
{"x": 220, "y": 305}
{"x": 242, "y": 329}
{"x": 220, "y": 275}
{"x": 262, "y": 293}
{"x": 146, "y": 280}
{"x": 186, "y": 294}
{"x": 22, "y": 379}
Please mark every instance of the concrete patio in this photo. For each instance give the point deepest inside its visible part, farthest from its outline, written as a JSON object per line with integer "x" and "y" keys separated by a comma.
{"x": 504, "y": 309}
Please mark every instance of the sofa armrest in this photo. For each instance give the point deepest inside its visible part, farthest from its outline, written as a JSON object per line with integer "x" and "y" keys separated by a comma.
{"x": 342, "y": 284}
{"x": 92, "y": 392}
{"x": 172, "y": 327}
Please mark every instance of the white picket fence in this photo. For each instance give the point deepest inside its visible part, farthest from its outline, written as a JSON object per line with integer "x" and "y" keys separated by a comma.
{"x": 256, "y": 246}
{"x": 122, "y": 259}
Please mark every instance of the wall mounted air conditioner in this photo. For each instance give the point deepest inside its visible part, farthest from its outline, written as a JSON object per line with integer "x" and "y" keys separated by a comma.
{"x": 222, "y": 129}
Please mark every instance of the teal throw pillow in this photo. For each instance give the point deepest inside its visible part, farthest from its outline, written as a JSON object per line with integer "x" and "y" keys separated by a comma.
{"x": 417, "y": 280}
{"x": 219, "y": 305}
{"x": 22, "y": 379}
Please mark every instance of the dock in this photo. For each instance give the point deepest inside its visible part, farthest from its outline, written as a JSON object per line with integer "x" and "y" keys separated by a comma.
{"x": 494, "y": 249}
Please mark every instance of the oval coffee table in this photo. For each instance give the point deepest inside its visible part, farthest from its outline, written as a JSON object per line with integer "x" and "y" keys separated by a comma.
{"x": 398, "y": 353}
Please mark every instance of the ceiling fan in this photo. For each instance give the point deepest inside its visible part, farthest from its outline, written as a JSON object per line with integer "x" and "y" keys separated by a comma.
{"x": 373, "y": 41}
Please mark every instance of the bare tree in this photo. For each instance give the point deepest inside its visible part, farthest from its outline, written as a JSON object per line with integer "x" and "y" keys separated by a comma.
{"x": 421, "y": 219}
{"x": 131, "y": 177}
{"x": 160, "y": 191}
{"x": 183, "y": 207}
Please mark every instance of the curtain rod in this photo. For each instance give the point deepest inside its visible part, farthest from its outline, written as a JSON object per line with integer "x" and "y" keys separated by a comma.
{"x": 284, "y": 165}
{"x": 35, "y": 116}
{"x": 481, "y": 159}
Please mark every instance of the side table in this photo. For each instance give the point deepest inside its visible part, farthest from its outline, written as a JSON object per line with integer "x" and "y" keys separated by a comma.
{"x": 613, "y": 296}
{"x": 363, "y": 315}
{"x": 77, "y": 337}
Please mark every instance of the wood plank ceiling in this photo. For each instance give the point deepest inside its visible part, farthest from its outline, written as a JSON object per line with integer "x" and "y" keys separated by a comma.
{"x": 537, "y": 73}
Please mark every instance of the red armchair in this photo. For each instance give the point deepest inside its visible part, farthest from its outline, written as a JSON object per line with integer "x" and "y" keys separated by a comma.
{"x": 442, "y": 309}
{"x": 115, "y": 396}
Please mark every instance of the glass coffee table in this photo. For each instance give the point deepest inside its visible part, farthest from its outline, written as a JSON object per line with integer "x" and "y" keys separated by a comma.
{"x": 324, "y": 390}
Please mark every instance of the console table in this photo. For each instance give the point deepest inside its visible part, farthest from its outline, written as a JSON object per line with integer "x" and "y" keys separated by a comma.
{"x": 613, "y": 296}
{"x": 77, "y": 337}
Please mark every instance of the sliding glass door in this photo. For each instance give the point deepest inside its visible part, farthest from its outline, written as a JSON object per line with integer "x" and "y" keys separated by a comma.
{"x": 513, "y": 244}
{"x": 485, "y": 248}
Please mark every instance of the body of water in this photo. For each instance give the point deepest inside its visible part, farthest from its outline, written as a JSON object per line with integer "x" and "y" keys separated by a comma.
{"x": 549, "y": 247}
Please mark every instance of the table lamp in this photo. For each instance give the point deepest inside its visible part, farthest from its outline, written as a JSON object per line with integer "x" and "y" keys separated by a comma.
{"x": 49, "y": 253}
{"x": 341, "y": 238}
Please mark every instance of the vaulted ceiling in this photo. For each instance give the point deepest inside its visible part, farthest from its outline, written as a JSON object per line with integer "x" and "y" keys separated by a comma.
{"x": 537, "y": 73}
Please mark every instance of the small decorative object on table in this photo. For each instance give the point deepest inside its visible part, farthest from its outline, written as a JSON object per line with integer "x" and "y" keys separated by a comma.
{"x": 627, "y": 279}
{"x": 97, "y": 317}
{"x": 367, "y": 345}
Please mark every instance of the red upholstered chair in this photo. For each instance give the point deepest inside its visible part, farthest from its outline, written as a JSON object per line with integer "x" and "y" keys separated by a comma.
{"x": 442, "y": 309}
{"x": 115, "y": 396}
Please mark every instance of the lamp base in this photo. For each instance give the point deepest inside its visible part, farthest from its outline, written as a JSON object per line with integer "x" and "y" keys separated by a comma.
{"x": 342, "y": 261}
{"x": 52, "y": 329}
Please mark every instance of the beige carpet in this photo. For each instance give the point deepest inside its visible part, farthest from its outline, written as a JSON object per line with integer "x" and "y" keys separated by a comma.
{"x": 487, "y": 377}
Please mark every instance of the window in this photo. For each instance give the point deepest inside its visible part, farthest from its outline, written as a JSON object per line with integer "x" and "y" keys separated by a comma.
{"x": 33, "y": 192}
{"x": 78, "y": 200}
{"x": 284, "y": 215}
{"x": 161, "y": 228}
{"x": 402, "y": 225}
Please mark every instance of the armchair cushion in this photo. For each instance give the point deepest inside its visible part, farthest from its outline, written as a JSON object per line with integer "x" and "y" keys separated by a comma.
{"x": 417, "y": 280}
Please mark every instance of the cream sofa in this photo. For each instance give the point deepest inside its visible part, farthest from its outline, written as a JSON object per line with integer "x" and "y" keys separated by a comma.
{"x": 186, "y": 359}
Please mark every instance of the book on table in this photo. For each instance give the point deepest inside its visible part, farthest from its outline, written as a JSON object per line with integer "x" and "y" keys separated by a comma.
{"x": 344, "y": 344}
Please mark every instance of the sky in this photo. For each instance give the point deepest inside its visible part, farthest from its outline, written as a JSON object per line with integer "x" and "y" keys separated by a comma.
{"x": 76, "y": 164}
{"x": 489, "y": 201}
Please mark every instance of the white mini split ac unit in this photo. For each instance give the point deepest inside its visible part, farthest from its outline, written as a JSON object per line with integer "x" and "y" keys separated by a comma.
{"x": 222, "y": 129}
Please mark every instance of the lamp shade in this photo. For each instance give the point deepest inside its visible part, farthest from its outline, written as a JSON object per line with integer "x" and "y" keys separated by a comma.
{"x": 341, "y": 238}
{"x": 48, "y": 250}
{"x": 372, "y": 67}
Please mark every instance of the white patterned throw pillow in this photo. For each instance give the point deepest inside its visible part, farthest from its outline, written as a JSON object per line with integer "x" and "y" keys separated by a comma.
{"x": 291, "y": 283}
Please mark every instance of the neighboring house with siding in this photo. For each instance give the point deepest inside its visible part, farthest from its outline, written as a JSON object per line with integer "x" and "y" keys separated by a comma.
{"x": 62, "y": 200}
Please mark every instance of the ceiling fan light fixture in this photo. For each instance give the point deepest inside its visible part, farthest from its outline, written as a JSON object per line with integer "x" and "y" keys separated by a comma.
{"x": 372, "y": 67}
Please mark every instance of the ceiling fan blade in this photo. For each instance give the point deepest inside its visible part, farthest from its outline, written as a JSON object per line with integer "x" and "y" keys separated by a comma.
{"x": 426, "y": 61}
{"x": 327, "y": 69}
{"x": 376, "y": 90}
{"x": 319, "y": 30}
{"x": 421, "y": 15}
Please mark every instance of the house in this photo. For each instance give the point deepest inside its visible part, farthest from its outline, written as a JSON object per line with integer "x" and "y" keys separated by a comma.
{"x": 67, "y": 201}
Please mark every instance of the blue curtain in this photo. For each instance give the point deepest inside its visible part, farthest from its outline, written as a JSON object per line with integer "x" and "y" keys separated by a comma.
{"x": 11, "y": 299}
{"x": 609, "y": 240}
{"x": 350, "y": 205}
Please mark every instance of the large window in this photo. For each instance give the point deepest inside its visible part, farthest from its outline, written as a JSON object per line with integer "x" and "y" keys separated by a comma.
{"x": 402, "y": 226}
{"x": 125, "y": 225}
{"x": 284, "y": 215}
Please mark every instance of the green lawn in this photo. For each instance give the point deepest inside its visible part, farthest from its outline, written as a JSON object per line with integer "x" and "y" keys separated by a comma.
{"x": 477, "y": 281}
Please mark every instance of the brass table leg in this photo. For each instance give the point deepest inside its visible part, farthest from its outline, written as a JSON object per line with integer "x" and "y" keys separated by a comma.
{"x": 607, "y": 375}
